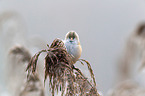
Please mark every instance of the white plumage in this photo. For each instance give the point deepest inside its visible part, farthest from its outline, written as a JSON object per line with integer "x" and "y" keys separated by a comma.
{"x": 73, "y": 46}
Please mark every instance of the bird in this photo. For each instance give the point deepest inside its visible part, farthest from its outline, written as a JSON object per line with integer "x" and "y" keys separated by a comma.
{"x": 73, "y": 46}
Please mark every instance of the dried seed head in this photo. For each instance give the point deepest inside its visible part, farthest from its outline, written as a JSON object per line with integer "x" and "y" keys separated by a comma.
{"x": 63, "y": 75}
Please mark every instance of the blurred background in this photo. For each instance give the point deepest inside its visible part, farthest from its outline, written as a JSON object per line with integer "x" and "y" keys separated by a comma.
{"x": 103, "y": 27}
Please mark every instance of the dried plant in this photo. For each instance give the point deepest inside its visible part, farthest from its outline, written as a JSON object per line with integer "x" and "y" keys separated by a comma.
{"x": 21, "y": 52}
{"x": 127, "y": 88}
{"x": 19, "y": 58}
{"x": 63, "y": 75}
{"x": 32, "y": 87}
{"x": 134, "y": 48}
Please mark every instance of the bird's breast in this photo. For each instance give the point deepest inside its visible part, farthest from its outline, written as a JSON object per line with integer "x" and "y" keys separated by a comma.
{"x": 74, "y": 50}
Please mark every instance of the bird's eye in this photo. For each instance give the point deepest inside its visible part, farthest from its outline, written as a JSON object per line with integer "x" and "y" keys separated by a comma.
{"x": 73, "y": 37}
{"x": 70, "y": 36}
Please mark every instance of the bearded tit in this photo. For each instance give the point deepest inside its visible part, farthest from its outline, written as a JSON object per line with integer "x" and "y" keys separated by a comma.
{"x": 72, "y": 45}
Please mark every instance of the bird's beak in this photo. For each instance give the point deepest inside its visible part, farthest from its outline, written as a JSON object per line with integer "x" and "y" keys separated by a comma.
{"x": 71, "y": 39}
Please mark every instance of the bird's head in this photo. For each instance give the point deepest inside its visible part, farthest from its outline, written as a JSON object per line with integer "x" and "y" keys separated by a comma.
{"x": 72, "y": 37}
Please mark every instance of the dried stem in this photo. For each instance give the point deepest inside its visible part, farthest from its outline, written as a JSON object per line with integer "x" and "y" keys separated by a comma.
{"x": 62, "y": 73}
